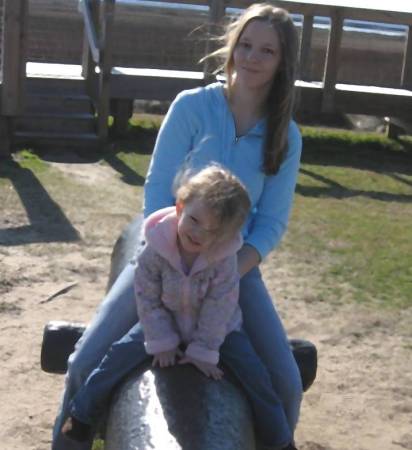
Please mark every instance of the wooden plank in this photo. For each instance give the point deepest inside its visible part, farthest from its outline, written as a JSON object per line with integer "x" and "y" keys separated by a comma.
{"x": 13, "y": 55}
{"x": 305, "y": 47}
{"x": 406, "y": 80}
{"x": 357, "y": 99}
{"x": 106, "y": 44}
{"x": 150, "y": 87}
{"x": 332, "y": 58}
{"x": 88, "y": 63}
{"x": 88, "y": 8}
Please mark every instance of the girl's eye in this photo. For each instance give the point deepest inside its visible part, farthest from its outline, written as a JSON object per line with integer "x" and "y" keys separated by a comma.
{"x": 193, "y": 219}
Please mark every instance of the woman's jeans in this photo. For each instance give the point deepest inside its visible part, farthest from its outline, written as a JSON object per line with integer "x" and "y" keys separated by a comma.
{"x": 117, "y": 315}
{"x": 237, "y": 354}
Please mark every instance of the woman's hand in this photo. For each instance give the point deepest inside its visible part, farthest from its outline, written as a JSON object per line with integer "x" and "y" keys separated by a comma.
{"x": 166, "y": 359}
{"x": 208, "y": 369}
{"x": 247, "y": 258}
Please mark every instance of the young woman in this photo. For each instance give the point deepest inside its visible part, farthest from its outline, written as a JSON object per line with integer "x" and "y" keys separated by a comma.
{"x": 244, "y": 124}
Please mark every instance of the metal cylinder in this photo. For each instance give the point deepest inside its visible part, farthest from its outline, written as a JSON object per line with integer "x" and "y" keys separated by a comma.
{"x": 178, "y": 408}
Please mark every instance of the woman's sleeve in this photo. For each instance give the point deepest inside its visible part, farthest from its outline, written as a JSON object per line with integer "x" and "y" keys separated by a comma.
{"x": 217, "y": 313}
{"x": 157, "y": 322}
{"x": 272, "y": 211}
{"x": 173, "y": 143}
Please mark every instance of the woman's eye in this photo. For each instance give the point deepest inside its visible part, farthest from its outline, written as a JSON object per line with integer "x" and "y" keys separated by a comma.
{"x": 268, "y": 51}
{"x": 244, "y": 44}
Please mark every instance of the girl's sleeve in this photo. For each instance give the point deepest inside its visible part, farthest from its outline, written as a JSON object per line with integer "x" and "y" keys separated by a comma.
{"x": 173, "y": 143}
{"x": 157, "y": 322}
{"x": 218, "y": 313}
{"x": 272, "y": 211}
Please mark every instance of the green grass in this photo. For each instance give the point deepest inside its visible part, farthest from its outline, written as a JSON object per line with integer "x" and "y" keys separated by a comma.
{"x": 350, "y": 228}
{"x": 98, "y": 444}
{"x": 352, "y": 216}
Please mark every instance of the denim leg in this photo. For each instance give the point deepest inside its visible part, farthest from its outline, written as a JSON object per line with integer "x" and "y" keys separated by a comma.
{"x": 123, "y": 356}
{"x": 114, "y": 318}
{"x": 240, "y": 357}
{"x": 267, "y": 335}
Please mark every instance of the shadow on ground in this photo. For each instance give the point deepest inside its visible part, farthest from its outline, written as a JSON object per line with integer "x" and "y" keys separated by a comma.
{"x": 48, "y": 222}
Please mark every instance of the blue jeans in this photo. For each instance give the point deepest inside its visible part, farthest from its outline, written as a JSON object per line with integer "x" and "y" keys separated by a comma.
{"x": 124, "y": 356}
{"x": 237, "y": 354}
{"x": 117, "y": 315}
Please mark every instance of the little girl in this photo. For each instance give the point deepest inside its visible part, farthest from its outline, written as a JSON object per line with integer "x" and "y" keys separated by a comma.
{"x": 186, "y": 284}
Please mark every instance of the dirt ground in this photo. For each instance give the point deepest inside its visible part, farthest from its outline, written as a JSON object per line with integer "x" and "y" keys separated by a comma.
{"x": 361, "y": 400}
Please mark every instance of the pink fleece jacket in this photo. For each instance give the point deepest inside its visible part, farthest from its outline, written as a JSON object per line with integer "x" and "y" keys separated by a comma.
{"x": 198, "y": 308}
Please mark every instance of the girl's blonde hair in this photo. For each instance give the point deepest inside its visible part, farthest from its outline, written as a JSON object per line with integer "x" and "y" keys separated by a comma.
{"x": 221, "y": 192}
{"x": 279, "y": 102}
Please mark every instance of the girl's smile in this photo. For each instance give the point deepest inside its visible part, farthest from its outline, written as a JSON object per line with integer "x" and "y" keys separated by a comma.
{"x": 197, "y": 226}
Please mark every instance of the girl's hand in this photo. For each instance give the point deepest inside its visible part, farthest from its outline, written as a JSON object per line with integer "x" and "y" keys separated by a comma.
{"x": 166, "y": 359}
{"x": 210, "y": 370}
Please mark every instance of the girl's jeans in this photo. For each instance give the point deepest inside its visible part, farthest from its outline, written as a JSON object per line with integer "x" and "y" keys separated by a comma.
{"x": 117, "y": 315}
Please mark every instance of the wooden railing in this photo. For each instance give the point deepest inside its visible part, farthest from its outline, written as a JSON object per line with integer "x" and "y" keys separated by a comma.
{"x": 337, "y": 11}
{"x": 98, "y": 19}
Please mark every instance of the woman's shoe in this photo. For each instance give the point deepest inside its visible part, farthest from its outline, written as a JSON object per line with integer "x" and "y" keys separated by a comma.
{"x": 76, "y": 430}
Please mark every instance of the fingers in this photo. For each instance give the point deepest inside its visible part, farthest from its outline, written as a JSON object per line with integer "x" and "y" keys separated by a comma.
{"x": 210, "y": 370}
{"x": 165, "y": 359}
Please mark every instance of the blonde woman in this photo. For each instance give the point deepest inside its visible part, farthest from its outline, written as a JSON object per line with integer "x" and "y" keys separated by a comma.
{"x": 244, "y": 124}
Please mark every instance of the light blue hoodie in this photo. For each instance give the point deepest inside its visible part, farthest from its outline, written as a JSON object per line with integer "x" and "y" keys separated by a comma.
{"x": 199, "y": 129}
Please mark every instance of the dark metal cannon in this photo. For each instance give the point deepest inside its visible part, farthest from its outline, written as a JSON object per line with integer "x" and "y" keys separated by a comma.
{"x": 176, "y": 408}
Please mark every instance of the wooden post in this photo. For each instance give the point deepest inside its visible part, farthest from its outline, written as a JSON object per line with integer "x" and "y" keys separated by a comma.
{"x": 331, "y": 65}
{"x": 217, "y": 9}
{"x": 305, "y": 47}
{"x": 14, "y": 56}
{"x": 6, "y": 127}
{"x": 122, "y": 110}
{"x": 406, "y": 81}
{"x": 106, "y": 45}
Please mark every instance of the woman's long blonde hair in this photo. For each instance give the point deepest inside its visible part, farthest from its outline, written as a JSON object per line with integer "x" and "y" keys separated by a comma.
{"x": 279, "y": 102}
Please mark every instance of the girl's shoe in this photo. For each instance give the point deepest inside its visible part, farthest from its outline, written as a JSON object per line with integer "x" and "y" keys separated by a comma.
{"x": 76, "y": 430}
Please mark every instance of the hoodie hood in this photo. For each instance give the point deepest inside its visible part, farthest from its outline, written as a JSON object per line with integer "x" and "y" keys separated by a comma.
{"x": 160, "y": 230}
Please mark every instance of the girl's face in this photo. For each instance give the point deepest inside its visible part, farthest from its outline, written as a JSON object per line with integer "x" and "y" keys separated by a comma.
{"x": 257, "y": 55}
{"x": 197, "y": 228}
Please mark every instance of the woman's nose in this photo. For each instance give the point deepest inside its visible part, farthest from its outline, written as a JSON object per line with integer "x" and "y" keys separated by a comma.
{"x": 252, "y": 55}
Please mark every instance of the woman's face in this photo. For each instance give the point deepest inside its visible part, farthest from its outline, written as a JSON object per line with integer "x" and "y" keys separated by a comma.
{"x": 257, "y": 55}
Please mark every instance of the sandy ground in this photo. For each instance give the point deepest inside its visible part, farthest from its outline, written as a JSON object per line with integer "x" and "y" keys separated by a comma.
{"x": 361, "y": 400}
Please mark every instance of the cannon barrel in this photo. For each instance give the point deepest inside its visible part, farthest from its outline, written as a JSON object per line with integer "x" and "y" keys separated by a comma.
{"x": 178, "y": 408}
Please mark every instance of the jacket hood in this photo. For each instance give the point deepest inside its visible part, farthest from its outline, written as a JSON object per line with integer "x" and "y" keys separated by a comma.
{"x": 160, "y": 230}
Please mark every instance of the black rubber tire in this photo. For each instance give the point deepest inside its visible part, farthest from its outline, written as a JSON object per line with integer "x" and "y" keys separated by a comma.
{"x": 59, "y": 339}
{"x": 306, "y": 357}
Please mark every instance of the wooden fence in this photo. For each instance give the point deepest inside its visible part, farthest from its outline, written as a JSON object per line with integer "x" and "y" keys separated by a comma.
{"x": 119, "y": 87}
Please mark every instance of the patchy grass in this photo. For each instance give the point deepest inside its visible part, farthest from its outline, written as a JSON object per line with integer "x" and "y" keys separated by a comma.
{"x": 352, "y": 217}
{"x": 350, "y": 228}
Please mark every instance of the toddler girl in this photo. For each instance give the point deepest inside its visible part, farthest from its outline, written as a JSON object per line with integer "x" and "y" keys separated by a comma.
{"x": 186, "y": 284}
